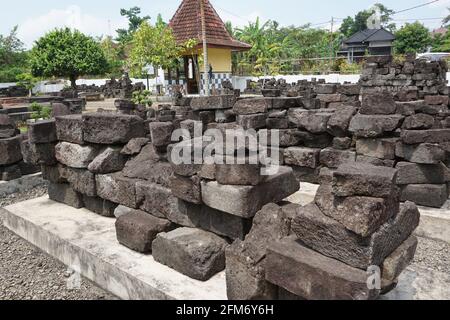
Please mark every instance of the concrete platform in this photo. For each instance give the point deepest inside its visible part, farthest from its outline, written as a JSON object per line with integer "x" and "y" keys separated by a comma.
{"x": 87, "y": 242}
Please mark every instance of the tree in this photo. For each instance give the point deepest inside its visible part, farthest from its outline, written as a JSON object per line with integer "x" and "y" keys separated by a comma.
{"x": 67, "y": 53}
{"x": 27, "y": 81}
{"x": 134, "y": 22}
{"x": 352, "y": 25}
{"x": 412, "y": 38}
{"x": 13, "y": 57}
{"x": 441, "y": 42}
{"x": 115, "y": 56}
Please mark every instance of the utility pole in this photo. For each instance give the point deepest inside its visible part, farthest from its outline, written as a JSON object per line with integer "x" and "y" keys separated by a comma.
{"x": 331, "y": 43}
{"x": 205, "y": 48}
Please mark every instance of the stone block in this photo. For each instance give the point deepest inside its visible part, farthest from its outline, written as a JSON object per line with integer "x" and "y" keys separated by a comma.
{"x": 302, "y": 157}
{"x": 75, "y": 155}
{"x": 375, "y": 161}
{"x": 425, "y": 136}
{"x": 342, "y": 143}
{"x": 10, "y": 173}
{"x": 111, "y": 128}
{"x": 252, "y": 106}
{"x": 373, "y": 126}
{"x": 42, "y": 131}
{"x": 108, "y": 160}
{"x": 64, "y": 193}
{"x": 161, "y": 133}
{"x": 340, "y": 120}
{"x": 277, "y": 123}
{"x": 45, "y": 153}
{"x": 428, "y": 195}
{"x": 195, "y": 253}
{"x": 378, "y": 103}
{"x": 333, "y": 158}
{"x": 53, "y": 173}
{"x": 245, "y": 201}
{"x": 186, "y": 188}
{"x": 325, "y": 88}
{"x": 412, "y": 173}
{"x": 81, "y": 180}
{"x": 313, "y": 276}
{"x": 408, "y": 108}
{"x": 100, "y": 206}
{"x": 437, "y": 100}
{"x": 117, "y": 188}
{"x": 137, "y": 230}
{"x": 10, "y": 151}
{"x": 122, "y": 210}
{"x": 213, "y": 102}
{"x": 308, "y": 175}
{"x": 424, "y": 153}
{"x": 399, "y": 260}
{"x": 328, "y": 237}
{"x": 377, "y": 148}
{"x": 252, "y": 121}
{"x": 328, "y": 98}
{"x": 70, "y": 128}
{"x": 365, "y": 180}
{"x": 419, "y": 121}
{"x": 349, "y": 89}
{"x": 27, "y": 152}
{"x": 239, "y": 171}
{"x": 309, "y": 140}
{"x": 134, "y": 146}
{"x": 313, "y": 121}
{"x": 287, "y": 103}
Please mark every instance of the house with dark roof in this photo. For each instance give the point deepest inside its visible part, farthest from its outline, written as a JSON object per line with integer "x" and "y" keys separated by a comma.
{"x": 375, "y": 42}
{"x": 186, "y": 24}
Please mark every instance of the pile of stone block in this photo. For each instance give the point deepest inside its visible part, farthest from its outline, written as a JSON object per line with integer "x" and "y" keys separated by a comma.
{"x": 352, "y": 242}
{"x": 120, "y": 89}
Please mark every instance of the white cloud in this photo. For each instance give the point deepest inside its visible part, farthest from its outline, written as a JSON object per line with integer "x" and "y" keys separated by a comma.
{"x": 72, "y": 17}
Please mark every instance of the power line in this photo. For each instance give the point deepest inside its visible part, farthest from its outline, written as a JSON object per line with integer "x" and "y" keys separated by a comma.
{"x": 415, "y": 7}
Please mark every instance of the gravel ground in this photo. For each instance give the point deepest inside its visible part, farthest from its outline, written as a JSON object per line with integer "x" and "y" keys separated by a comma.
{"x": 433, "y": 254}
{"x": 27, "y": 273}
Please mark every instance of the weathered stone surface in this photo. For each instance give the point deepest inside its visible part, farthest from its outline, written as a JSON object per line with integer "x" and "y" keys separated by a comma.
{"x": 7, "y": 133}
{"x": 378, "y": 103}
{"x": 437, "y": 100}
{"x": 325, "y": 88}
{"x": 108, "y": 161}
{"x": 252, "y": 106}
{"x": 362, "y": 215}
{"x": 365, "y": 180}
{"x": 245, "y": 201}
{"x": 134, "y": 146}
{"x": 424, "y": 153}
{"x": 192, "y": 252}
{"x": 340, "y": 120}
{"x": 60, "y": 109}
{"x": 342, "y": 143}
{"x": 122, "y": 210}
{"x": 45, "y": 153}
{"x": 232, "y": 172}
{"x": 252, "y": 121}
{"x": 397, "y": 262}
{"x": 150, "y": 166}
{"x": 287, "y": 102}
{"x": 375, "y": 161}
{"x": 117, "y": 188}
{"x": 10, "y": 151}
{"x": 333, "y": 158}
{"x": 10, "y": 173}
{"x": 80, "y": 180}
{"x": 425, "y": 136}
{"x": 419, "y": 121}
{"x": 277, "y": 123}
{"x": 137, "y": 230}
{"x": 213, "y": 102}
{"x": 349, "y": 89}
{"x": 329, "y": 98}
{"x": 186, "y": 188}
{"x": 6, "y": 122}
{"x": 27, "y": 168}
{"x": 309, "y": 140}
{"x": 42, "y": 131}
{"x": 308, "y": 175}
{"x": 377, "y": 148}
{"x": 70, "y": 128}
{"x": 302, "y": 157}
{"x": 161, "y": 133}
{"x": 329, "y": 237}
{"x": 75, "y": 155}
{"x": 373, "y": 126}
{"x": 100, "y": 206}
{"x": 53, "y": 173}
{"x": 409, "y": 108}
{"x": 111, "y": 128}
{"x": 313, "y": 276}
{"x": 245, "y": 260}
{"x": 64, "y": 193}
{"x": 428, "y": 195}
{"x": 313, "y": 121}
{"x": 411, "y": 173}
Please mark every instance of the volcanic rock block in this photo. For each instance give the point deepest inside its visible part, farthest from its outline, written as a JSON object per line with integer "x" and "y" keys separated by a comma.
{"x": 213, "y": 102}
{"x": 111, "y": 128}
{"x": 80, "y": 180}
{"x": 310, "y": 140}
{"x": 10, "y": 150}
{"x": 342, "y": 143}
{"x": 424, "y": 153}
{"x": 377, "y": 148}
{"x": 289, "y": 138}
{"x": 409, "y": 108}
{"x": 53, "y": 173}
{"x": 100, "y": 206}
{"x": 329, "y": 237}
{"x": 362, "y": 215}
{"x": 325, "y": 88}
{"x": 328, "y": 98}
{"x": 313, "y": 276}
{"x": 75, "y": 155}
{"x": 70, "y": 128}
{"x": 313, "y": 121}
{"x": 419, "y": 121}
{"x": 333, "y": 158}
{"x": 273, "y": 93}
{"x": 437, "y": 100}
{"x": 45, "y": 153}
{"x": 373, "y": 126}
{"x": 349, "y": 89}
{"x": 277, "y": 123}
{"x": 252, "y": 106}
{"x": 108, "y": 161}
{"x": 10, "y": 173}
{"x": 117, "y": 188}
{"x": 397, "y": 262}
{"x": 161, "y": 133}
{"x": 239, "y": 171}
{"x": 428, "y": 195}
{"x": 365, "y": 180}
{"x": 60, "y": 109}
{"x": 64, "y": 193}
{"x": 375, "y": 161}
{"x": 122, "y": 210}
{"x": 195, "y": 253}
{"x": 186, "y": 188}
{"x": 340, "y": 120}
{"x": 252, "y": 121}
{"x": 287, "y": 102}
{"x": 27, "y": 152}
{"x": 378, "y": 103}
{"x": 42, "y": 131}
{"x": 6, "y": 122}
{"x": 425, "y": 136}
{"x": 137, "y": 230}
{"x": 302, "y": 157}
{"x": 246, "y": 201}
{"x": 26, "y": 168}
{"x": 134, "y": 146}
{"x": 411, "y": 173}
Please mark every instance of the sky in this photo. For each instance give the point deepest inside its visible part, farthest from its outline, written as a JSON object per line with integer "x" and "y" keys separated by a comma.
{"x": 102, "y": 17}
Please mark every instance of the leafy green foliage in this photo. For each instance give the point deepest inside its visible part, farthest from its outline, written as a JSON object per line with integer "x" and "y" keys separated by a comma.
{"x": 142, "y": 97}
{"x": 115, "y": 55}
{"x": 27, "y": 81}
{"x": 13, "y": 58}
{"x": 412, "y": 38}
{"x": 441, "y": 42}
{"x": 124, "y": 36}
{"x": 67, "y": 53}
{"x": 40, "y": 111}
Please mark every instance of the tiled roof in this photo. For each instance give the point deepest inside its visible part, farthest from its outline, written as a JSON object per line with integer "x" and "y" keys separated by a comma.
{"x": 186, "y": 24}
{"x": 370, "y": 35}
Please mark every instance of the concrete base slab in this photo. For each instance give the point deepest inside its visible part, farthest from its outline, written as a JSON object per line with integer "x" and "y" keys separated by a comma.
{"x": 87, "y": 242}
{"x": 21, "y": 185}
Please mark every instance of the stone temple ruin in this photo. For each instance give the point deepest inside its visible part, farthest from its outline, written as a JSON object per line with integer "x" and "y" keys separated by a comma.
{"x": 376, "y": 148}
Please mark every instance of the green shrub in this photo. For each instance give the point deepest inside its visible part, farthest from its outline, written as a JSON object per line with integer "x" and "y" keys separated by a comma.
{"x": 142, "y": 97}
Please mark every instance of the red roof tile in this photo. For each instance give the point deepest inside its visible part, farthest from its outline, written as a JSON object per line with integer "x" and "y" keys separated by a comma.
{"x": 186, "y": 24}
